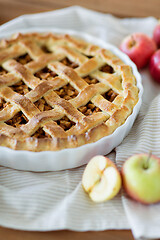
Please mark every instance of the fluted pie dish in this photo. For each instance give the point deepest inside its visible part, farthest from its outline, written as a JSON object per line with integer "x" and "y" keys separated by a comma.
{"x": 60, "y": 92}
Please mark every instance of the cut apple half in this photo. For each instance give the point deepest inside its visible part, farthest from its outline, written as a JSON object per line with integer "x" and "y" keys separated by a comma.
{"x": 101, "y": 179}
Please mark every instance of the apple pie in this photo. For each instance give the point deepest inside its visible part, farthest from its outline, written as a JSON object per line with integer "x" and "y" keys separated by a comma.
{"x": 58, "y": 91}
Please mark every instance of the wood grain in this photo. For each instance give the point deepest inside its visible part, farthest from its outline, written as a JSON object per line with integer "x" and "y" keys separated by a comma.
{"x": 10, "y": 9}
{"x": 10, "y": 234}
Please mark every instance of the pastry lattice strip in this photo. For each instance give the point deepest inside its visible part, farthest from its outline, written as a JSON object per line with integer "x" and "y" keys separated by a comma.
{"x": 74, "y": 77}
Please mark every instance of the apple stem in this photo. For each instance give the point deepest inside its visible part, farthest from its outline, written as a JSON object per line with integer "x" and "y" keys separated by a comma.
{"x": 133, "y": 42}
{"x": 147, "y": 161}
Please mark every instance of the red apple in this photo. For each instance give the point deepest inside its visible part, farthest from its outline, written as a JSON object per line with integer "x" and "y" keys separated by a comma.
{"x": 156, "y": 35}
{"x": 154, "y": 66}
{"x": 139, "y": 47}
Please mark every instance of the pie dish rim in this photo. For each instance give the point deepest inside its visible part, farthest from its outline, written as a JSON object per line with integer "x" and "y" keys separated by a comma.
{"x": 52, "y": 166}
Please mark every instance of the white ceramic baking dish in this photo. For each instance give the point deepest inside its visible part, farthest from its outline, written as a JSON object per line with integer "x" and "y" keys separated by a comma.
{"x": 70, "y": 158}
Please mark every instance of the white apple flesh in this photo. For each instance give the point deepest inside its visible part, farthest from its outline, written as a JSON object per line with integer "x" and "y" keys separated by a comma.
{"x": 141, "y": 178}
{"x": 101, "y": 179}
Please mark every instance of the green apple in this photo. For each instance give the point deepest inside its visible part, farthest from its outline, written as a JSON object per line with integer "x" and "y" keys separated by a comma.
{"x": 141, "y": 178}
{"x": 101, "y": 179}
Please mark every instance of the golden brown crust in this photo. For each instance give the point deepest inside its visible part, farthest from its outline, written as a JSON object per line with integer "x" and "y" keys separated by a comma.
{"x": 113, "y": 91}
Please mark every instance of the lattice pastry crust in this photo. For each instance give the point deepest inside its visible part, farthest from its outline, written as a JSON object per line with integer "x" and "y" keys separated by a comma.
{"x": 59, "y": 92}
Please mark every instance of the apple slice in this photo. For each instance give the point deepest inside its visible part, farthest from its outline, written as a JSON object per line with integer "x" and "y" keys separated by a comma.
{"x": 141, "y": 178}
{"x": 101, "y": 179}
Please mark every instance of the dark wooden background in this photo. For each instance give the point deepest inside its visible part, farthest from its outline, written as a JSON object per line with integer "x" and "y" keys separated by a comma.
{"x": 10, "y": 9}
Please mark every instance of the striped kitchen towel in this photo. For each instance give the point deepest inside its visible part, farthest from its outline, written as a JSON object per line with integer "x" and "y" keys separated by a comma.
{"x": 143, "y": 138}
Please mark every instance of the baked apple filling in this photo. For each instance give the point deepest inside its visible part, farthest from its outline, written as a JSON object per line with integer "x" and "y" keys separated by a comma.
{"x": 90, "y": 80}
{"x": 65, "y": 123}
{"x": 110, "y": 95}
{"x": 3, "y": 103}
{"x": 40, "y": 133}
{"x": 23, "y": 89}
{"x": 89, "y": 109}
{"x": 17, "y": 120}
{"x": 24, "y": 59}
{"x": 20, "y": 88}
{"x": 45, "y": 49}
{"x": 46, "y": 74}
{"x": 69, "y": 63}
{"x": 67, "y": 92}
{"x": 107, "y": 69}
{"x": 42, "y": 105}
{"x": 20, "y": 119}
{"x": 3, "y": 71}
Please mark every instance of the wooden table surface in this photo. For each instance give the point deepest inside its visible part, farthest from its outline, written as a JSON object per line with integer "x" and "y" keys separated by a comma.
{"x": 10, "y": 9}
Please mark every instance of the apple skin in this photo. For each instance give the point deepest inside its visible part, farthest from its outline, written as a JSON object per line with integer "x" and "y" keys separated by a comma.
{"x": 139, "y": 47}
{"x": 156, "y": 34}
{"x": 154, "y": 66}
{"x": 142, "y": 185}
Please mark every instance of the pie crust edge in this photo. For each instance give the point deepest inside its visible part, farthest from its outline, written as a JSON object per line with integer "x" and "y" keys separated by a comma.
{"x": 97, "y": 132}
